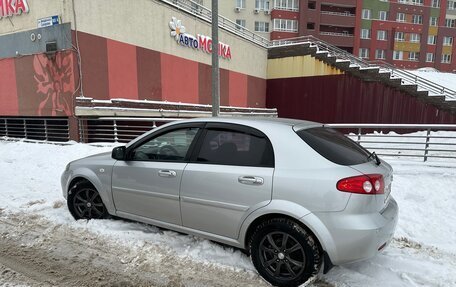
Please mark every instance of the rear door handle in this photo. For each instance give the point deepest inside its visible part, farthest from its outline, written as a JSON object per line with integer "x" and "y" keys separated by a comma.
{"x": 251, "y": 180}
{"x": 167, "y": 173}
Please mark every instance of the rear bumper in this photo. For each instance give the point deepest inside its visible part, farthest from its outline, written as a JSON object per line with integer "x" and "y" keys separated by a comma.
{"x": 356, "y": 237}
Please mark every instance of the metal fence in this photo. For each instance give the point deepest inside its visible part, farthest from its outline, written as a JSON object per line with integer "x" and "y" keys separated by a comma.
{"x": 404, "y": 140}
{"x": 40, "y": 129}
{"x": 116, "y": 129}
{"x": 397, "y": 140}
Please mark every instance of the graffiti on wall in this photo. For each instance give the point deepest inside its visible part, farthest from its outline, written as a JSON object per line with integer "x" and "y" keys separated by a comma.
{"x": 54, "y": 83}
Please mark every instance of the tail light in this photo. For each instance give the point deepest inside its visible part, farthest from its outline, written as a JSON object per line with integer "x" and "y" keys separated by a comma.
{"x": 363, "y": 184}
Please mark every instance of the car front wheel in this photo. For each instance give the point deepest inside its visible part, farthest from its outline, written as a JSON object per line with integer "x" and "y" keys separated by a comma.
{"x": 284, "y": 253}
{"x": 84, "y": 202}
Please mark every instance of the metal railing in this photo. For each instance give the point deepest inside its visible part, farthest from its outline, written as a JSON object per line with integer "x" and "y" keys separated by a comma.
{"x": 40, "y": 129}
{"x": 114, "y": 129}
{"x": 205, "y": 14}
{"x": 419, "y": 141}
{"x": 336, "y": 34}
{"x": 426, "y": 141}
{"x": 338, "y": 13}
{"x": 407, "y": 77}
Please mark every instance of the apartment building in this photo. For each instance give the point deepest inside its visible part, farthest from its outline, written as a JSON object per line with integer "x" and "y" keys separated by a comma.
{"x": 409, "y": 34}
{"x": 271, "y": 19}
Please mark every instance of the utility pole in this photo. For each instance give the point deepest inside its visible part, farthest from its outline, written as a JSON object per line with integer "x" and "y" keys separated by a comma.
{"x": 215, "y": 62}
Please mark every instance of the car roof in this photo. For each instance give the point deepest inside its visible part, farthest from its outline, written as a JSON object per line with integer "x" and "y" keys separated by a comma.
{"x": 259, "y": 121}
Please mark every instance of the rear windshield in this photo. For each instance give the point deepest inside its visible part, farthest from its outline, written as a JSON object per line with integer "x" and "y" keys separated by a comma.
{"x": 334, "y": 146}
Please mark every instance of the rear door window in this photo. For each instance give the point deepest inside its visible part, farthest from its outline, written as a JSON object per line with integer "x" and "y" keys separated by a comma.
{"x": 231, "y": 147}
{"x": 334, "y": 146}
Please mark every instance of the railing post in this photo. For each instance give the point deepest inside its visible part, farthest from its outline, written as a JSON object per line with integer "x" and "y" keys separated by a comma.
{"x": 25, "y": 128}
{"x": 6, "y": 127}
{"x": 81, "y": 139}
{"x": 359, "y": 135}
{"x": 154, "y": 125}
{"x": 45, "y": 130}
{"x": 426, "y": 146}
{"x": 115, "y": 131}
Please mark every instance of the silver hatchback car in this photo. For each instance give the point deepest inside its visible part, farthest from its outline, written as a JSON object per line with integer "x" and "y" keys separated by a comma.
{"x": 295, "y": 194}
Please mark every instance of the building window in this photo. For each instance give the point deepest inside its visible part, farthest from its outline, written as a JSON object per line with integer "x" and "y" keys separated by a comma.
{"x": 398, "y": 55}
{"x": 414, "y": 56}
{"x": 400, "y": 17}
{"x": 261, "y": 26}
{"x": 415, "y": 38}
{"x": 383, "y": 15}
{"x": 417, "y": 19}
{"x": 446, "y": 58}
{"x": 366, "y": 14}
{"x": 399, "y": 36}
{"x": 380, "y": 54}
{"x": 451, "y": 5}
{"x": 402, "y": 1}
{"x": 417, "y": 2}
{"x": 430, "y": 57}
{"x": 433, "y": 21}
{"x": 290, "y": 5}
{"x": 262, "y": 5}
{"x": 450, "y": 23}
{"x": 285, "y": 25}
{"x": 382, "y": 35}
{"x": 435, "y": 3}
{"x": 240, "y": 24}
{"x": 447, "y": 41}
{"x": 365, "y": 34}
{"x": 240, "y": 4}
{"x": 312, "y": 5}
{"x": 364, "y": 53}
{"x": 432, "y": 40}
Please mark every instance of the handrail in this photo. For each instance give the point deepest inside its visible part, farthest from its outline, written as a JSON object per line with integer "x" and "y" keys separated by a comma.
{"x": 205, "y": 14}
{"x": 406, "y": 76}
{"x": 431, "y": 146}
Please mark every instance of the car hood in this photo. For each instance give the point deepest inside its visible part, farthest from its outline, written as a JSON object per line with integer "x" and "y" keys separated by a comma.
{"x": 95, "y": 157}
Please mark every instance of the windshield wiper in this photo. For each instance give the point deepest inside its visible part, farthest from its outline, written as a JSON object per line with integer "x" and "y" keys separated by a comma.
{"x": 374, "y": 156}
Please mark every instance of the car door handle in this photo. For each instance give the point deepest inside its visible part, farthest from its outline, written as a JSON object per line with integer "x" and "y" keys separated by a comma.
{"x": 251, "y": 180}
{"x": 167, "y": 173}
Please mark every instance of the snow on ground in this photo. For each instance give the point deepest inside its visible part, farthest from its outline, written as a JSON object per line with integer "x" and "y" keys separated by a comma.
{"x": 423, "y": 252}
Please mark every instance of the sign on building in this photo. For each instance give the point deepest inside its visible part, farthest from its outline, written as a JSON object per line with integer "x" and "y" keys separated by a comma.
{"x": 9, "y": 8}
{"x": 48, "y": 21}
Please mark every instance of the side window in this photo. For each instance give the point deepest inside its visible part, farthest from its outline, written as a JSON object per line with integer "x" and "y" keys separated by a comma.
{"x": 171, "y": 146}
{"x": 235, "y": 148}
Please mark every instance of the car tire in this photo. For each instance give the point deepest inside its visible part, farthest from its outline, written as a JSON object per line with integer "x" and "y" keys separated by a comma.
{"x": 84, "y": 202}
{"x": 284, "y": 253}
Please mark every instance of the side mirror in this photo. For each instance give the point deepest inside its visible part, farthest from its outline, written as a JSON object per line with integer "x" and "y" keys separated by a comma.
{"x": 119, "y": 153}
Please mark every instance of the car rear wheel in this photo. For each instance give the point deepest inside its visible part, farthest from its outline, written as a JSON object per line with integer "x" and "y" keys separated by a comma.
{"x": 84, "y": 202}
{"x": 284, "y": 253}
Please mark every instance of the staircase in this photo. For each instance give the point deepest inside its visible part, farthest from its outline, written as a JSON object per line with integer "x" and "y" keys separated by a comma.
{"x": 403, "y": 80}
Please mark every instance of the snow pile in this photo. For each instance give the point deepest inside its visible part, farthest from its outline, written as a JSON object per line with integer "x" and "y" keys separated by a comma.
{"x": 422, "y": 254}
{"x": 447, "y": 80}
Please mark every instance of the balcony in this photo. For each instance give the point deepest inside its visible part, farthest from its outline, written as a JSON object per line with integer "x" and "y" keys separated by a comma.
{"x": 338, "y": 39}
{"x": 342, "y": 19}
